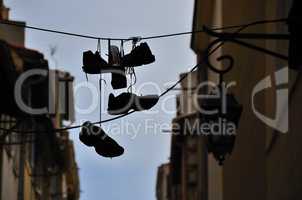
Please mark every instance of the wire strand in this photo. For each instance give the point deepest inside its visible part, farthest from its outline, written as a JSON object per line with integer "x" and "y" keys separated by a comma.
{"x": 21, "y": 25}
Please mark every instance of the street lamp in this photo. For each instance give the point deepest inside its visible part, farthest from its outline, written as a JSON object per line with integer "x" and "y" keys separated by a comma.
{"x": 222, "y": 124}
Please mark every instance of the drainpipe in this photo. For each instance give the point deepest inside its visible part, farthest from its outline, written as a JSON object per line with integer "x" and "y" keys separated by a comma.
{"x": 21, "y": 169}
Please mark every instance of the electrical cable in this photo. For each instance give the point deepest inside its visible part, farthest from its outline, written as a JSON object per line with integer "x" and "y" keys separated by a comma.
{"x": 131, "y": 38}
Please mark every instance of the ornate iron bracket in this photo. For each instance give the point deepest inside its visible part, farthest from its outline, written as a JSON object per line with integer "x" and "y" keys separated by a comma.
{"x": 235, "y": 38}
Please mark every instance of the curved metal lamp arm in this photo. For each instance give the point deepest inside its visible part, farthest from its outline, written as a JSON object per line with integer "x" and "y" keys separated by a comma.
{"x": 228, "y": 58}
{"x": 234, "y": 37}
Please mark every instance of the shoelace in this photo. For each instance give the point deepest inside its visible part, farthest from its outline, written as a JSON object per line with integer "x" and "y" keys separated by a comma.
{"x": 131, "y": 71}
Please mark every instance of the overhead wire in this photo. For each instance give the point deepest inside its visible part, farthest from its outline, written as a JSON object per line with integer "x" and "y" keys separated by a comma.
{"x": 5, "y": 22}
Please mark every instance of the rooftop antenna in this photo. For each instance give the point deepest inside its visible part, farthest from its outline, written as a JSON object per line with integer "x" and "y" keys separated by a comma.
{"x": 53, "y": 50}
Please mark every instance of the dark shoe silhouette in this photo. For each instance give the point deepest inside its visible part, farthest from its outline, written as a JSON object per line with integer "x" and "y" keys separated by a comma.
{"x": 140, "y": 55}
{"x": 104, "y": 145}
{"x": 109, "y": 148}
{"x": 89, "y": 134}
{"x": 120, "y": 104}
{"x": 93, "y": 63}
{"x": 124, "y": 102}
{"x": 118, "y": 76}
{"x": 114, "y": 58}
{"x": 145, "y": 102}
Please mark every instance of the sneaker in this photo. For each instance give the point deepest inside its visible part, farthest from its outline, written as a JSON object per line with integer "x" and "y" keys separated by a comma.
{"x": 145, "y": 102}
{"x": 89, "y": 134}
{"x": 126, "y": 101}
{"x": 93, "y": 63}
{"x": 118, "y": 76}
{"x": 108, "y": 148}
{"x": 104, "y": 145}
{"x": 114, "y": 58}
{"x": 120, "y": 104}
{"x": 140, "y": 55}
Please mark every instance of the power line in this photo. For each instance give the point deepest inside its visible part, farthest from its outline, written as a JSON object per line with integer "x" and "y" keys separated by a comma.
{"x": 215, "y": 29}
{"x": 130, "y": 38}
{"x": 241, "y": 28}
{"x": 49, "y": 30}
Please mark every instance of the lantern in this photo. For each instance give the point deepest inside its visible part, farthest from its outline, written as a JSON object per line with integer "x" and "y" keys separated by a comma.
{"x": 219, "y": 121}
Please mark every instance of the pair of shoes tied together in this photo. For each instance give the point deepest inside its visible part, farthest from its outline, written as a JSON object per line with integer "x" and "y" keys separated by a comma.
{"x": 93, "y": 63}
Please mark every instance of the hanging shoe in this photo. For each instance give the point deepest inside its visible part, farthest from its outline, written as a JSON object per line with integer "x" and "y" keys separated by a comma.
{"x": 140, "y": 55}
{"x": 114, "y": 58}
{"x": 120, "y": 104}
{"x": 108, "y": 148}
{"x": 118, "y": 75}
{"x": 104, "y": 145}
{"x": 93, "y": 63}
{"x": 145, "y": 102}
{"x": 89, "y": 134}
{"x": 126, "y": 101}
{"x": 118, "y": 78}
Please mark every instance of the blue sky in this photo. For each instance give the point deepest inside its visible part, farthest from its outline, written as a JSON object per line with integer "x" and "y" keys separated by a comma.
{"x": 133, "y": 175}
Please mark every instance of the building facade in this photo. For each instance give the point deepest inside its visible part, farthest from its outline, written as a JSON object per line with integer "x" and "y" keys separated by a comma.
{"x": 266, "y": 160}
{"x": 36, "y": 163}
